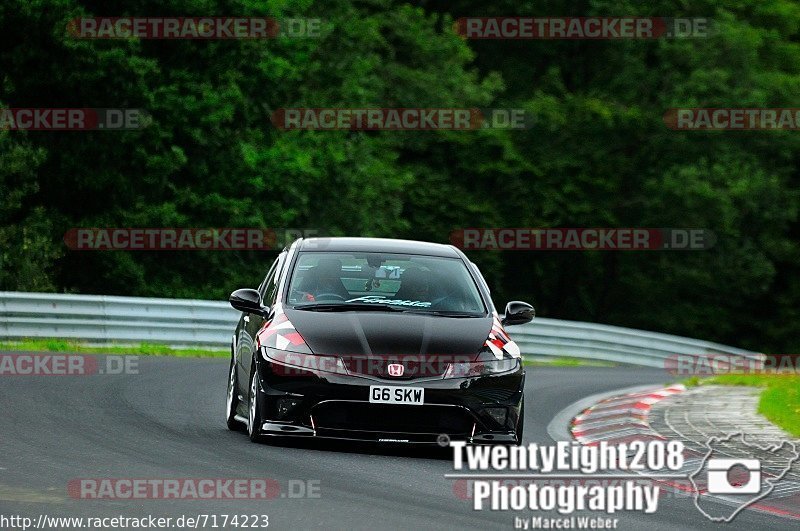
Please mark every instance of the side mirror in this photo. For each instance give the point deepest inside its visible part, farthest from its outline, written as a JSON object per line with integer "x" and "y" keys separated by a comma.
{"x": 518, "y": 312}
{"x": 248, "y": 301}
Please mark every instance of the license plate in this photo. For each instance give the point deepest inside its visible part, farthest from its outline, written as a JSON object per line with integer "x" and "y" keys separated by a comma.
{"x": 384, "y": 394}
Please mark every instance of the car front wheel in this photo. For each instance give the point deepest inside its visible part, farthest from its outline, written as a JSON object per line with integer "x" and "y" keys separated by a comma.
{"x": 232, "y": 400}
{"x": 254, "y": 408}
{"x": 521, "y": 423}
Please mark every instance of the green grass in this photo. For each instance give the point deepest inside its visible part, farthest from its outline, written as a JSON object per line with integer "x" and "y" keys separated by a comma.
{"x": 779, "y": 401}
{"x": 568, "y": 362}
{"x": 142, "y": 349}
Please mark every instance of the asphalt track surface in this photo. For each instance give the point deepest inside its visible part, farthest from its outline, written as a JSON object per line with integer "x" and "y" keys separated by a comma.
{"x": 167, "y": 422}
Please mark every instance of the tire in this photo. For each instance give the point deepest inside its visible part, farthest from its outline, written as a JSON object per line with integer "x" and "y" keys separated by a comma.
{"x": 232, "y": 400}
{"x": 255, "y": 415}
{"x": 521, "y": 423}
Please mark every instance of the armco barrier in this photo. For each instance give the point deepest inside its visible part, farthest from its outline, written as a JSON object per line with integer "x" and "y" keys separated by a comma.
{"x": 184, "y": 322}
{"x": 109, "y": 319}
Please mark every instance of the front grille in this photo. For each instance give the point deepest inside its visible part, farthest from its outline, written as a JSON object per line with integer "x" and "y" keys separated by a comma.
{"x": 414, "y": 367}
{"x": 363, "y": 416}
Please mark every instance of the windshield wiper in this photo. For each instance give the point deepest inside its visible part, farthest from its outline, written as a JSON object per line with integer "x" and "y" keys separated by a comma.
{"x": 448, "y": 313}
{"x": 348, "y": 307}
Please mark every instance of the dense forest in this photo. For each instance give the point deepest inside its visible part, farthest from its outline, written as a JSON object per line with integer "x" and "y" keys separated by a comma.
{"x": 596, "y": 154}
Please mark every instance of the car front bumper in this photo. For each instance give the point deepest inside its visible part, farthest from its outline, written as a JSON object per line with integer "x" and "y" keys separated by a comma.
{"x": 314, "y": 403}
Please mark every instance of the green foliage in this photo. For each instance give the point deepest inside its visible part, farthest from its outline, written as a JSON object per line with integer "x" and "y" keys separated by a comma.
{"x": 598, "y": 155}
{"x": 26, "y": 248}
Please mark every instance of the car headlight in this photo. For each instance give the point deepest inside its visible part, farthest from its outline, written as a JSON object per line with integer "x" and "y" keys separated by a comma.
{"x": 481, "y": 367}
{"x": 295, "y": 363}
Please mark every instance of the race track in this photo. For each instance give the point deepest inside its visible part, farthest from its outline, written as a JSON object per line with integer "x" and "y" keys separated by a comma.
{"x": 167, "y": 422}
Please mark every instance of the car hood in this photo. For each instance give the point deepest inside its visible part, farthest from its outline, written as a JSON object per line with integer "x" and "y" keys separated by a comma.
{"x": 390, "y": 334}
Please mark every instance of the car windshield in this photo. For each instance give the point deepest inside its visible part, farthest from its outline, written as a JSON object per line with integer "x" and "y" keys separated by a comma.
{"x": 416, "y": 283}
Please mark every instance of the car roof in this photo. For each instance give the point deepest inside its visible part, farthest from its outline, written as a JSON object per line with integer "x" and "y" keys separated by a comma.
{"x": 377, "y": 245}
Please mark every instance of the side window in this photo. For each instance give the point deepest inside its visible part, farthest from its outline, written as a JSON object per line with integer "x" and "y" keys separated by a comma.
{"x": 269, "y": 278}
{"x": 480, "y": 276}
{"x": 485, "y": 285}
{"x": 270, "y": 287}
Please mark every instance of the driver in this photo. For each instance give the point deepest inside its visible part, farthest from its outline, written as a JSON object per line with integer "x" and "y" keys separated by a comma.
{"x": 415, "y": 284}
{"x": 325, "y": 279}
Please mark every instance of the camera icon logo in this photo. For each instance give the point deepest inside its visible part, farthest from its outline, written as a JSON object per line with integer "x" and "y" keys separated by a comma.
{"x": 736, "y": 476}
{"x": 719, "y": 476}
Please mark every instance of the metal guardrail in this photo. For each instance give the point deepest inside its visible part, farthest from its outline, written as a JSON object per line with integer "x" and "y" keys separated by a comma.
{"x": 576, "y": 339}
{"x": 110, "y": 319}
{"x": 104, "y": 319}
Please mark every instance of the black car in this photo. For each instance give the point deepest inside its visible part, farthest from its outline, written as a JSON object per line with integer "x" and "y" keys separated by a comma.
{"x": 380, "y": 340}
